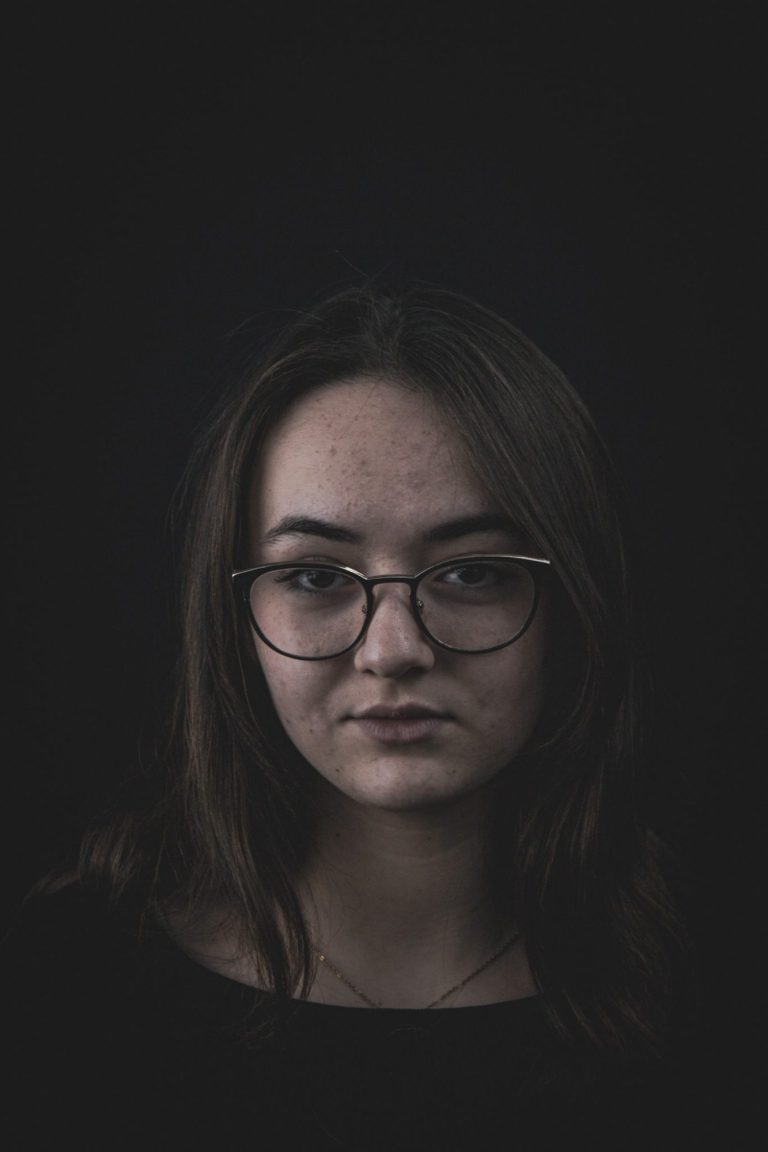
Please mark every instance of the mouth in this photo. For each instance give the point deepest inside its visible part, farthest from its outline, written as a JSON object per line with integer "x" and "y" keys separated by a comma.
{"x": 404, "y": 724}
{"x": 399, "y": 712}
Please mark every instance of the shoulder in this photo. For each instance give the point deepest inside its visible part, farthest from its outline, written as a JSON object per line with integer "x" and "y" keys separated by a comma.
{"x": 83, "y": 998}
{"x": 65, "y": 920}
{"x": 65, "y": 955}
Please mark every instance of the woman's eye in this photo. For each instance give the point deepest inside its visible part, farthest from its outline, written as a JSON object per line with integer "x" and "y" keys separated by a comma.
{"x": 314, "y": 580}
{"x": 470, "y": 576}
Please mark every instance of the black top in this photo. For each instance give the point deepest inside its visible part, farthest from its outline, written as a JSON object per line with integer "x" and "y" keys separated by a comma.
{"x": 116, "y": 1043}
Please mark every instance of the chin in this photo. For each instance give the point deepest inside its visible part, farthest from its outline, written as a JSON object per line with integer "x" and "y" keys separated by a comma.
{"x": 410, "y": 790}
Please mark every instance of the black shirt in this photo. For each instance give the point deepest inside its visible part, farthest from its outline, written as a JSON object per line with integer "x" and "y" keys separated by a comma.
{"x": 120, "y": 1042}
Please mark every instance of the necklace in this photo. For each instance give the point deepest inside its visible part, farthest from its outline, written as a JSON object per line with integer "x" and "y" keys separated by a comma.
{"x": 375, "y": 1003}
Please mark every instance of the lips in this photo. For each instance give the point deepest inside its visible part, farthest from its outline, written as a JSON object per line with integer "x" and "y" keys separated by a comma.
{"x": 401, "y": 724}
{"x": 399, "y": 712}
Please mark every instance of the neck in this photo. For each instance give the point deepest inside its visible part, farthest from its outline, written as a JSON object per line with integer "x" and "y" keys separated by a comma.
{"x": 403, "y": 902}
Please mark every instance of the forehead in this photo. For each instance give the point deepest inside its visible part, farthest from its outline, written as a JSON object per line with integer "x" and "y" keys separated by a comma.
{"x": 368, "y": 451}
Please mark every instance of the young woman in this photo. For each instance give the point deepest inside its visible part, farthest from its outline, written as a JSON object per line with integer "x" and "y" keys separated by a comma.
{"x": 390, "y": 884}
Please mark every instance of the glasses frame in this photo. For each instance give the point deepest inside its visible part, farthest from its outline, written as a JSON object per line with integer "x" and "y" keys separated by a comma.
{"x": 244, "y": 578}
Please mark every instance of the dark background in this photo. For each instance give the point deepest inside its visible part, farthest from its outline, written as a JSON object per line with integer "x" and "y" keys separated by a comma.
{"x": 182, "y": 181}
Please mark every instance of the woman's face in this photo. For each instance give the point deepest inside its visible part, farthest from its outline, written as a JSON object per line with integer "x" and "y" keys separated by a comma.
{"x": 380, "y": 468}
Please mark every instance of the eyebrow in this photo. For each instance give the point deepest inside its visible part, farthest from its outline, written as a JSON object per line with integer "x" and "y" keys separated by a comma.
{"x": 449, "y": 530}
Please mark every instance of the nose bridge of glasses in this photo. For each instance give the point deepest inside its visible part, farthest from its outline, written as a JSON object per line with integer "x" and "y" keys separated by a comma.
{"x": 406, "y": 597}
{"x": 391, "y": 579}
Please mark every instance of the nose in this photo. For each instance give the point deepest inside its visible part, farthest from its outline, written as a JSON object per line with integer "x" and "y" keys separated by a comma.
{"x": 393, "y": 643}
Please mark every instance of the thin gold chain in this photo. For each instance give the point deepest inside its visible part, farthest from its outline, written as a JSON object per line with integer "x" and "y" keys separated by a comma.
{"x": 323, "y": 958}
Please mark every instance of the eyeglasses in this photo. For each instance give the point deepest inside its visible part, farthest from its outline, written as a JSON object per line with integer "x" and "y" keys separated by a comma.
{"x": 470, "y": 604}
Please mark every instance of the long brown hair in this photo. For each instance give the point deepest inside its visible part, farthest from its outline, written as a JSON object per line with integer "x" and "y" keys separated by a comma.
{"x": 230, "y": 824}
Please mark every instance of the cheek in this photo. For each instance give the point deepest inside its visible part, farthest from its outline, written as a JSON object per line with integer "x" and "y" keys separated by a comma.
{"x": 296, "y": 689}
{"x": 514, "y": 699}
{"x": 511, "y": 694}
{"x": 279, "y": 678}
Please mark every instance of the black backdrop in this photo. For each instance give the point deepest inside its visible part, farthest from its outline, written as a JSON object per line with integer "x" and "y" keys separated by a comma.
{"x": 183, "y": 181}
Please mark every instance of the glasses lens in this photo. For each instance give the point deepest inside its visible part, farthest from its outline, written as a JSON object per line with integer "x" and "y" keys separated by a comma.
{"x": 309, "y": 612}
{"x": 478, "y": 605}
